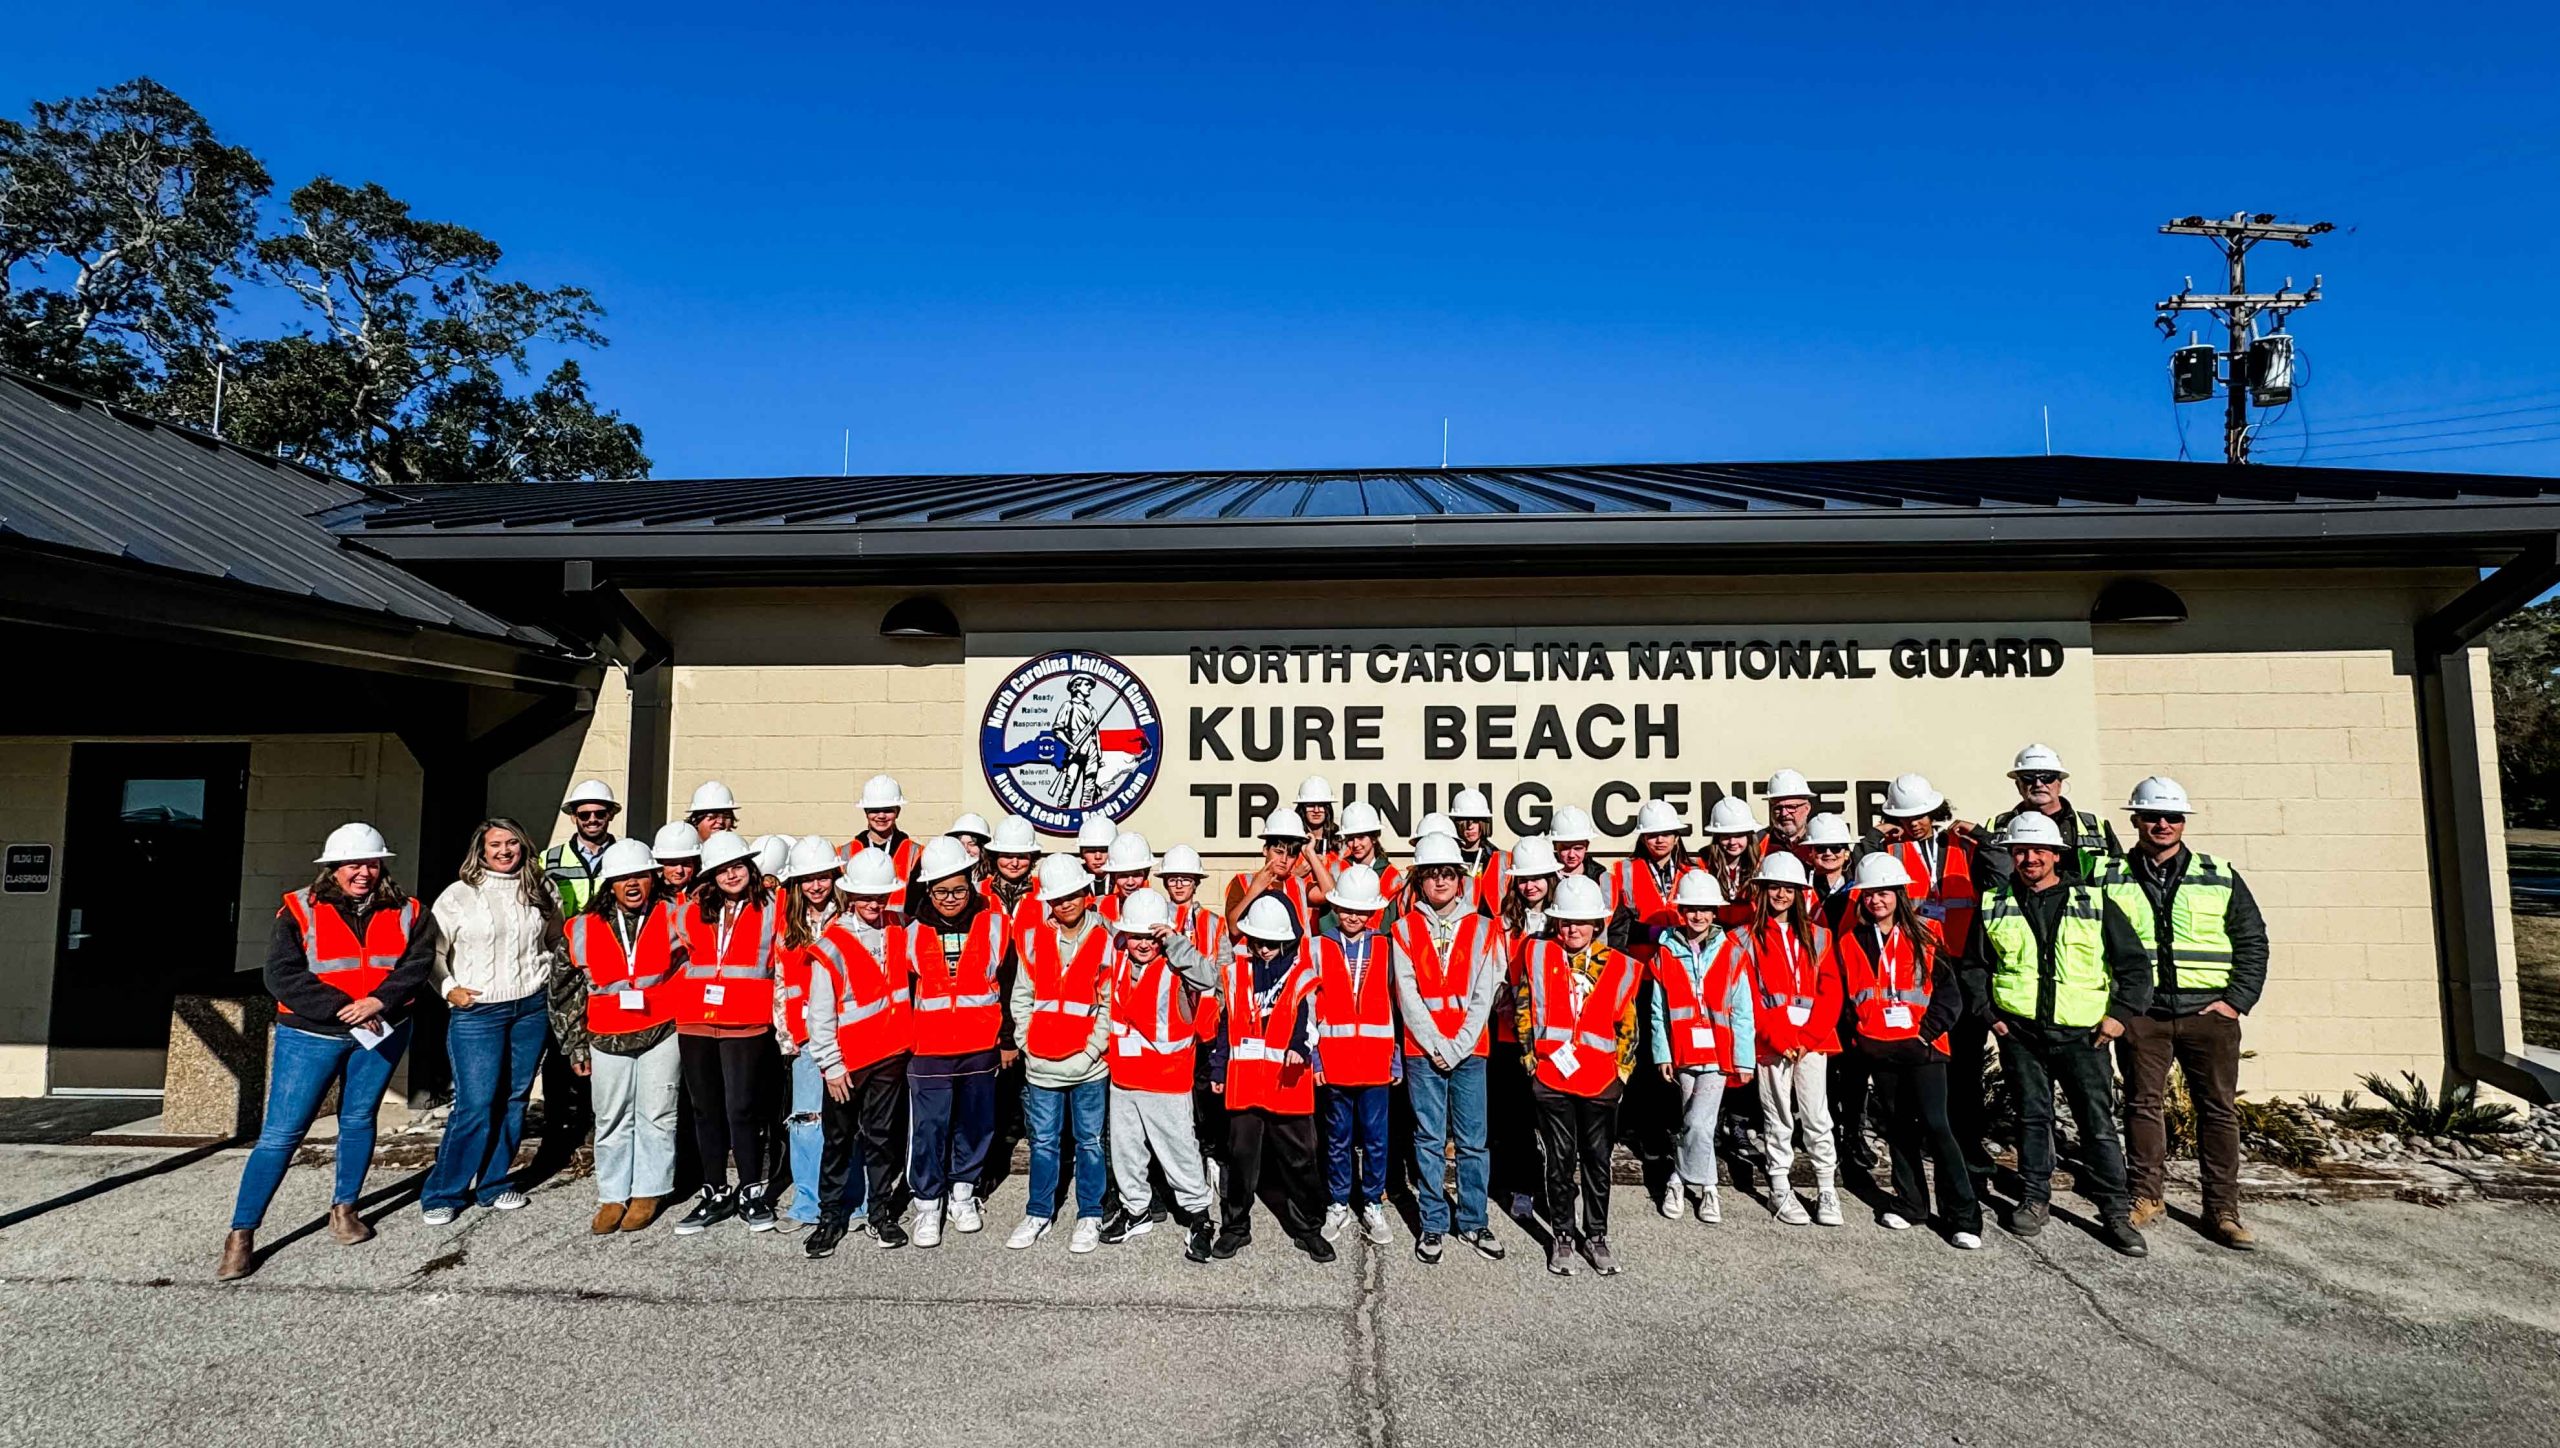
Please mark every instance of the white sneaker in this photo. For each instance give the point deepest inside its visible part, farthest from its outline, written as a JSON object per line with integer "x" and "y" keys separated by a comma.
{"x": 1710, "y": 1206}
{"x": 1031, "y": 1230}
{"x": 1791, "y": 1210}
{"x": 1088, "y": 1235}
{"x": 964, "y": 1210}
{"x": 1968, "y": 1241}
{"x": 1373, "y": 1222}
{"x": 1334, "y": 1218}
{"x": 437, "y": 1216}
{"x": 1893, "y": 1222}
{"x": 928, "y": 1231}
{"x": 1826, "y": 1207}
{"x": 508, "y": 1200}
{"x": 1669, "y": 1206}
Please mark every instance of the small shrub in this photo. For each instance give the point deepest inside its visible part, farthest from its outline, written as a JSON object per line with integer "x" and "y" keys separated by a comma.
{"x": 2409, "y": 1109}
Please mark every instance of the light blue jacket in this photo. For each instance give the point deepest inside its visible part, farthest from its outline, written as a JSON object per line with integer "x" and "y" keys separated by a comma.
{"x": 1694, "y": 960}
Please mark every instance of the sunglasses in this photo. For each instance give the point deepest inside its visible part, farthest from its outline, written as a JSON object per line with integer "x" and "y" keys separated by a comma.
{"x": 2038, "y": 776}
{"x": 2159, "y": 819}
{"x": 586, "y": 816}
{"x": 1831, "y": 849}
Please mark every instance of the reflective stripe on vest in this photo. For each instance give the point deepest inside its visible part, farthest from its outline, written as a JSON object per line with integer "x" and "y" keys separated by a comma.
{"x": 1559, "y": 1024}
{"x": 2068, "y": 984}
{"x": 1443, "y": 980}
{"x": 309, "y": 916}
{"x": 2196, "y": 953}
{"x": 767, "y": 930}
{"x": 581, "y": 950}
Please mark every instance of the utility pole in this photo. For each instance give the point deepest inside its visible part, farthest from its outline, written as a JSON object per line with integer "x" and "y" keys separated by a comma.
{"x": 2238, "y": 309}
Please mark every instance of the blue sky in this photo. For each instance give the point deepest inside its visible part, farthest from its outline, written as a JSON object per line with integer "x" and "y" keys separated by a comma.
{"x": 1069, "y": 237}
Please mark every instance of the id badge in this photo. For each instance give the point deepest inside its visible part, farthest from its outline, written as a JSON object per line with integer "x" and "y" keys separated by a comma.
{"x": 1897, "y": 1017}
{"x": 713, "y": 995}
{"x": 1566, "y": 1060}
{"x": 1702, "y": 1038}
{"x": 632, "y": 1000}
{"x": 1797, "y": 1015}
{"x": 1129, "y": 1045}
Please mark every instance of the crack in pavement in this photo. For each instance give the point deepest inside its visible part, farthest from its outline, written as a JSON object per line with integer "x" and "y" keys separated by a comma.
{"x": 1368, "y": 1349}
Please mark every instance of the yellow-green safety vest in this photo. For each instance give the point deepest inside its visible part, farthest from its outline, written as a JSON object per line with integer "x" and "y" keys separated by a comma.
{"x": 2196, "y": 953}
{"x": 2075, "y": 988}
{"x": 567, "y": 872}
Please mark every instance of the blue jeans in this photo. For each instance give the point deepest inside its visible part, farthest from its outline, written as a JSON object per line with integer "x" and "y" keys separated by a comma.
{"x": 495, "y": 1048}
{"x": 807, "y": 1134}
{"x": 301, "y": 1066}
{"x": 951, "y": 1120}
{"x": 1445, "y": 1108}
{"x": 1046, "y": 1111}
{"x": 1355, "y": 1131}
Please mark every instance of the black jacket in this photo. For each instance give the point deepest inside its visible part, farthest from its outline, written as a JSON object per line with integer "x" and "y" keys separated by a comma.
{"x": 1266, "y": 976}
{"x": 2127, "y": 962}
{"x": 2242, "y": 922}
{"x": 312, "y": 1004}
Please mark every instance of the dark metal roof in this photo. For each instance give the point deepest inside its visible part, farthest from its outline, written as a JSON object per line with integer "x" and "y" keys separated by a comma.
{"x": 80, "y": 477}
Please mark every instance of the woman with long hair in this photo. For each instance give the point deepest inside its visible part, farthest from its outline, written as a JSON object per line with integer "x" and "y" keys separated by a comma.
{"x": 1903, "y": 999}
{"x": 1642, "y": 884}
{"x": 1732, "y": 857}
{"x": 724, "y": 1030}
{"x": 1797, "y": 1027}
{"x": 1357, "y": 844}
{"x": 810, "y": 904}
{"x": 497, "y": 934}
{"x": 609, "y": 1010}
{"x": 347, "y": 953}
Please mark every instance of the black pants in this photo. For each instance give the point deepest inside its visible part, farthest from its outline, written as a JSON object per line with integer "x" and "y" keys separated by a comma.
{"x": 1912, "y": 1093}
{"x": 1847, "y": 1088}
{"x": 1968, "y": 1052}
{"x": 1293, "y": 1188}
{"x": 1511, "y": 1127}
{"x": 724, "y": 1079}
{"x": 874, "y": 1113}
{"x": 1209, "y": 1120}
{"x": 2035, "y": 1059}
{"x": 1577, "y": 1132}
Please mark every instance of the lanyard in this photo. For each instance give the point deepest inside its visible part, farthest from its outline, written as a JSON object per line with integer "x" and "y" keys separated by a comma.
{"x": 1884, "y": 961}
{"x": 730, "y": 913}
{"x": 630, "y": 938}
{"x": 1357, "y": 960}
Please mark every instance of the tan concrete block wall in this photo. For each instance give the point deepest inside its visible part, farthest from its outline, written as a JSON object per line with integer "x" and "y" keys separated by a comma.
{"x": 529, "y": 788}
{"x": 796, "y": 744}
{"x": 35, "y": 785}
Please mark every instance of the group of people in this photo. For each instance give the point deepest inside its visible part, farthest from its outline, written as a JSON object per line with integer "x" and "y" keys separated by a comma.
{"x": 1171, "y": 1059}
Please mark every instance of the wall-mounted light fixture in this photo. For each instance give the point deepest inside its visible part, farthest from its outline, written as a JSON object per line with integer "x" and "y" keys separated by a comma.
{"x": 919, "y": 618}
{"x": 2138, "y": 600}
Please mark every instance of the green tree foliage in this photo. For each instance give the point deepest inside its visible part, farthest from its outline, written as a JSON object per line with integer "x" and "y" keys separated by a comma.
{"x": 2524, "y": 661}
{"x": 405, "y": 355}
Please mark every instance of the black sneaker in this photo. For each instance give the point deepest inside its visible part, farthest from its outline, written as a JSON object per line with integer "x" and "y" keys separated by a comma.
{"x": 1487, "y": 1245}
{"x": 1123, "y": 1226}
{"x": 1316, "y": 1247}
{"x": 1603, "y": 1261}
{"x": 754, "y": 1209}
{"x": 888, "y": 1234}
{"x": 2030, "y": 1218}
{"x": 1426, "y": 1249}
{"x": 1196, "y": 1244}
{"x": 718, "y": 1204}
{"x": 1229, "y": 1243}
{"x": 824, "y": 1237}
{"x": 2123, "y": 1236}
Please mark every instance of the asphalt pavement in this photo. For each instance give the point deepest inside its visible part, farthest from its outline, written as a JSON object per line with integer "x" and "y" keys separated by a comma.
{"x": 2372, "y": 1323}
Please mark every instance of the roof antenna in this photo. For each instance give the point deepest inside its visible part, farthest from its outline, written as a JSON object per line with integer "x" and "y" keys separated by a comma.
{"x": 2048, "y": 429}
{"x": 847, "y": 470}
{"x": 1444, "y": 444}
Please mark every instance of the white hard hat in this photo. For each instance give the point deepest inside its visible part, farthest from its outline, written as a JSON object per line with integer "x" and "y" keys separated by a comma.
{"x": 1315, "y": 789}
{"x": 872, "y": 873}
{"x": 725, "y": 847}
{"x": 943, "y": 858}
{"x": 1787, "y": 784}
{"x": 1827, "y": 828}
{"x": 1470, "y": 805}
{"x": 1657, "y": 817}
{"x": 711, "y": 795}
{"x": 1283, "y": 824}
{"x": 1356, "y": 889}
{"x": 810, "y": 855}
{"x": 2027, "y": 827}
{"x": 1579, "y": 898}
{"x": 1129, "y": 855}
{"x": 2160, "y": 795}
{"x": 626, "y": 857}
{"x": 352, "y": 842}
{"x": 773, "y": 855}
{"x": 1061, "y": 876}
{"x": 1910, "y": 797}
{"x": 1267, "y": 919}
{"x": 1699, "y": 890}
{"x": 1359, "y": 818}
{"x": 882, "y": 792}
{"x": 1731, "y": 816}
{"x": 1097, "y": 832}
{"x": 2038, "y": 757}
{"x": 970, "y": 824}
{"x": 590, "y": 791}
{"x": 1435, "y": 823}
{"x": 1881, "y": 870}
{"x": 1013, "y": 836}
{"x": 1571, "y": 826}
{"x": 676, "y": 840}
{"x": 1532, "y": 855}
{"x": 1436, "y": 850}
{"x": 1782, "y": 868}
{"x": 1143, "y": 911}
{"x": 1182, "y": 860}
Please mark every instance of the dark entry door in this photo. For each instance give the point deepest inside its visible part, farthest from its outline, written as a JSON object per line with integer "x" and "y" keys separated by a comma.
{"x": 150, "y": 874}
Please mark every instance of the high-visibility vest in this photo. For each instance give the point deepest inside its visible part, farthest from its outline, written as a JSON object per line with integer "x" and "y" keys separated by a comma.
{"x": 1259, "y": 1071}
{"x": 956, "y": 1002}
{"x": 1767, "y": 840}
{"x": 741, "y": 971}
{"x": 1444, "y": 980}
{"x": 873, "y": 1021}
{"x": 1946, "y": 895}
{"x": 626, "y": 986}
{"x": 793, "y": 967}
{"x": 1513, "y": 947}
{"x": 1355, "y": 1023}
{"x": 334, "y": 954}
{"x": 1794, "y": 981}
{"x": 570, "y": 878}
{"x": 1110, "y": 904}
{"x": 1589, "y": 1034}
{"x": 2192, "y": 951}
{"x": 1390, "y": 879}
{"x": 2068, "y": 985}
{"x": 1154, "y": 1034}
{"x": 1902, "y": 978}
{"x": 1026, "y": 912}
{"x": 1201, "y": 926}
{"x": 2088, "y": 858}
{"x": 1490, "y": 881}
{"x": 1701, "y": 1027}
{"x": 1634, "y": 886}
{"x": 902, "y": 858}
{"x": 1062, "y": 991}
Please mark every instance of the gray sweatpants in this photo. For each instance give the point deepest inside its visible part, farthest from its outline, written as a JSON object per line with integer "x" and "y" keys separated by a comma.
{"x": 1701, "y": 1097}
{"x": 635, "y": 1101}
{"x": 1157, "y": 1123}
{"x": 1795, "y": 1096}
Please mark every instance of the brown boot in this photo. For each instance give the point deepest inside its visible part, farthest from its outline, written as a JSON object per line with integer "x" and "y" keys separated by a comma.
{"x": 2147, "y": 1210}
{"x": 239, "y": 1256}
{"x": 608, "y": 1218}
{"x": 346, "y": 1226}
{"x": 2228, "y": 1231}
{"x": 641, "y": 1212}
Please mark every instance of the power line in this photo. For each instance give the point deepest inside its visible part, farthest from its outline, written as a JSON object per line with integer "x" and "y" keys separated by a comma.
{"x": 2439, "y": 421}
{"x": 2371, "y": 442}
{"x": 2538, "y": 394}
{"x": 2447, "y": 447}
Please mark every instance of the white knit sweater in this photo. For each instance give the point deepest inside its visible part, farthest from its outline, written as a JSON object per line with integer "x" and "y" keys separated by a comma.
{"x": 492, "y": 942}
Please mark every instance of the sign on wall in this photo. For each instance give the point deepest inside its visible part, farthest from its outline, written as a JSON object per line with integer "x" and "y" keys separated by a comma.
{"x": 1191, "y": 738}
{"x": 26, "y": 870}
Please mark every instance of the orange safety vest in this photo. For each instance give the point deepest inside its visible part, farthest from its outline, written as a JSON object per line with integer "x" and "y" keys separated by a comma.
{"x": 1876, "y": 987}
{"x": 956, "y": 1003}
{"x": 731, "y": 986}
{"x": 1947, "y": 898}
{"x": 1259, "y": 1071}
{"x": 1591, "y": 1033}
{"x": 873, "y": 1021}
{"x": 626, "y": 986}
{"x": 1701, "y": 1028}
{"x": 1202, "y": 926}
{"x": 1155, "y": 1035}
{"x": 1793, "y": 980}
{"x": 902, "y": 859}
{"x": 793, "y": 966}
{"x": 1443, "y": 983}
{"x": 1062, "y": 991}
{"x": 1490, "y": 880}
{"x": 334, "y": 954}
{"x": 1632, "y": 883}
{"x": 1355, "y": 1024}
